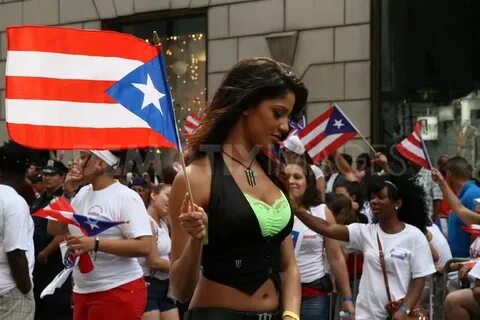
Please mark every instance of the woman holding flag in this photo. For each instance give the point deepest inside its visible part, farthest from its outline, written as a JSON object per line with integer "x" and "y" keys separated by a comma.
{"x": 397, "y": 256}
{"x": 235, "y": 226}
{"x": 115, "y": 288}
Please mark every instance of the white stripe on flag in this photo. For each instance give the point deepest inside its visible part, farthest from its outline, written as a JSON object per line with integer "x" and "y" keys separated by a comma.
{"x": 80, "y": 114}
{"x": 413, "y": 148}
{"x": 414, "y": 134}
{"x": 315, "y": 132}
{"x": 68, "y": 66}
{"x": 322, "y": 145}
{"x": 192, "y": 121}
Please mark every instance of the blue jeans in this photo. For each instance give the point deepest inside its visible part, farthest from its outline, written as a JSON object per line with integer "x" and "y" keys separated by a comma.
{"x": 315, "y": 308}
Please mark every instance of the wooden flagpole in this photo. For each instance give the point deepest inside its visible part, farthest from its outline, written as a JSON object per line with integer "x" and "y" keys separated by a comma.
{"x": 156, "y": 41}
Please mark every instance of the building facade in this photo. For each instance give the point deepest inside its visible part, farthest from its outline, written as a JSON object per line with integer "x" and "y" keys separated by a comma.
{"x": 328, "y": 43}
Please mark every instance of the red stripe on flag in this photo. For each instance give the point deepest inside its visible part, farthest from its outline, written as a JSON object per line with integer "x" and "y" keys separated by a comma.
{"x": 315, "y": 141}
{"x": 411, "y": 156}
{"x": 81, "y": 42}
{"x": 53, "y": 215}
{"x": 61, "y": 204}
{"x": 315, "y": 123}
{"x": 414, "y": 141}
{"x": 58, "y": 89}
{"x": 334, "y": 145}
{"x": 42, "y": 137}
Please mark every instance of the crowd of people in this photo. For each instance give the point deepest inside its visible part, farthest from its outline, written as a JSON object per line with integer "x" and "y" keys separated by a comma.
{"x": 244, "y": 232}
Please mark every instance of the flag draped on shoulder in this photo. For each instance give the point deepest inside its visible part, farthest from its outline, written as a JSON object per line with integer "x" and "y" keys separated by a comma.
{"x": 413, "y": 148}
{"x": 327, "y": 133}
{"x": 86, "y": 89}
{"x": 60, "y": 210}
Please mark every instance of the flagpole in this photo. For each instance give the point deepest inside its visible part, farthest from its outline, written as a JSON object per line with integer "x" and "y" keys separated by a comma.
{"x": 361, "y": 134}
{"x": 156, "y": 41}
{"x": 425, "y": 151}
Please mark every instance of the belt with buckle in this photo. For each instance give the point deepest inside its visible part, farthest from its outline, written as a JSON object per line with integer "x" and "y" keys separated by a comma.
{"x": 227, "y": 314}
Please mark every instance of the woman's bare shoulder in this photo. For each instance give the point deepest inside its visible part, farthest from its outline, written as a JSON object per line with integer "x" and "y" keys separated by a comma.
{"x": 199, "y": 175}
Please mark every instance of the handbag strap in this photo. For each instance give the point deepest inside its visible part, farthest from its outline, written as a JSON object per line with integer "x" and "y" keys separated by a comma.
{"x": 384, "y": 268}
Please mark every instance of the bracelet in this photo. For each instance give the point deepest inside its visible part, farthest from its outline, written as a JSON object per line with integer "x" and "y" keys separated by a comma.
{"x": 347, "y": 298}
{"x": 405, "y": 309}
{"x": 97, "y": 243}
{"x": 290, "y": 314}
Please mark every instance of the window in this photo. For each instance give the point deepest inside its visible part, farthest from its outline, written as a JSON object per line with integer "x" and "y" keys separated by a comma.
{"x": 429, "y": 62}
{"x": 183, "y": 38}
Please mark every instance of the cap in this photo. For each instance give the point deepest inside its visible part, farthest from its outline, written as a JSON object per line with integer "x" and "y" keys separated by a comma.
{"x": 137, "y": 181}
{"x": 36, "y": 178}
{"x": 55, "y": 167}
{"x": 294, "y": 144}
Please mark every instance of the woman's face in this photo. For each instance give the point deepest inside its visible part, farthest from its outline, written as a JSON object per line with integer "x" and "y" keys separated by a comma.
{"x": 268, "y": 122}
{"x": 382, "y": 206}
{"x": 160, "y": 200}
{"x": 296, "y": 181}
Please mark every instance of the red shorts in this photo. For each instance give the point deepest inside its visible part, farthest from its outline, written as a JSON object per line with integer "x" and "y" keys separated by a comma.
{"x": 126, "y": 302}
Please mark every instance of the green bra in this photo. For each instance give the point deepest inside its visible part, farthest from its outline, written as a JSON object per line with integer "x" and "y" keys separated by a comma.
{"x": 271, "y": 218}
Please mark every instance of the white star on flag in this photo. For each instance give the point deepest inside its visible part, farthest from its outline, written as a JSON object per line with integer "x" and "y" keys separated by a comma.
{"x": 338, "y": 124}
{"x": 92, "y": 224}
{"x": 150, "y": 94}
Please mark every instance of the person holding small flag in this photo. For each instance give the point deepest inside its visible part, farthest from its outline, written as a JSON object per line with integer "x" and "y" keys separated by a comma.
{"x": 115, "y": 288}
{"x": 232, "y": 253}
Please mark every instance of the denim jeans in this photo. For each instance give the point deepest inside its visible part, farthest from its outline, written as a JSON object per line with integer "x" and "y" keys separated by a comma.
{"x": 315, "y": 308}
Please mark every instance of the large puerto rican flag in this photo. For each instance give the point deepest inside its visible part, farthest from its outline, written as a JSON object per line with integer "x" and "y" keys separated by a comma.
{"x": 327, "y": 133}
{"x": 86, "y": 89}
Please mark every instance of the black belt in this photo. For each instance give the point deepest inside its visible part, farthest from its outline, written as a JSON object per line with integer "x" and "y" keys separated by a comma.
{"x": 226, "y": 314}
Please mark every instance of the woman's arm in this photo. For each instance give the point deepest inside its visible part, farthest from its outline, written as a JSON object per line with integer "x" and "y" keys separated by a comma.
{"x": 291, "y": 289}
{"x": 467, "y": 216}
{"x": 186, "y": 250}
{"x": 338, "y": 265}
{"x": 344, "y": 168}
{"x": 138, "y": 247}
{"x": 323, "y": 227}
{"x": 153, "y": 259}
{"x": 415, "y": 291}
{"x": 56, "y": 228}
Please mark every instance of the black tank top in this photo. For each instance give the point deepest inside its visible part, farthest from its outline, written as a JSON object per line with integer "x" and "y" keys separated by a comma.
{"x": 237, "y": 254}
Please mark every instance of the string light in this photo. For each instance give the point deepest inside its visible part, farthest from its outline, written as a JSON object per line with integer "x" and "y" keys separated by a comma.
{"x": 184, "y": 67}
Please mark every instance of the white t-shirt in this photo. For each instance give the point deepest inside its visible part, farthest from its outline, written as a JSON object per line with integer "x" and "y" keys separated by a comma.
{"x": 309, "y": 248}
{"x": 407, "y": 256}
{"x": 114, "y": 203}
{"x": 331, "y": 182}
{"x": 16, "y": 232}
{"x": 440, "y": 243}
{"x": 164, "y": 246}
{"x": 367, "y": 211}
{"x": 317, "y": 172}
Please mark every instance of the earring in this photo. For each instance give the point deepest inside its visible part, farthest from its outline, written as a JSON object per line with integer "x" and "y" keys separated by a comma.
{"x": 396, "y": 208}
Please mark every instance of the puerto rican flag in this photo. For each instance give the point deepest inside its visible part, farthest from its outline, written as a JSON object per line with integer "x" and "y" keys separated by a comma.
{"x": 60, "y": 210}
{"x": 327, "y": 133}
{"x": 191, "y": 122}
{"x": 413, "y": 148}
{"x": 86, "y": 89}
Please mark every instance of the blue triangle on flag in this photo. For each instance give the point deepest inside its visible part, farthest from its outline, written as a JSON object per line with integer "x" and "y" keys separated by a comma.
{"x": 145, "y": 92}
{"x": 338, "y": 123}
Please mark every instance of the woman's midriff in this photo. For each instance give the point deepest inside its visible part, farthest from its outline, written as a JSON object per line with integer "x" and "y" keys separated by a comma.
{"x": 216, "y": 295}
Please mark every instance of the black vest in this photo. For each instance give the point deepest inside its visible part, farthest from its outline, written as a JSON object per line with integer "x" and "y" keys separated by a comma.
{"x": 237, "y": 254}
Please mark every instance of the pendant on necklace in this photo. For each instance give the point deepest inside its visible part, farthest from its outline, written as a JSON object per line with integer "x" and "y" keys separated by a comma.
{"x": 251, "y": 178}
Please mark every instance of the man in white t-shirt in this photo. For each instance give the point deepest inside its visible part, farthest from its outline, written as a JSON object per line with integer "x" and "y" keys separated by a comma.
{"x": 17, "y": 257}
{"x": 115, "y": 289}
